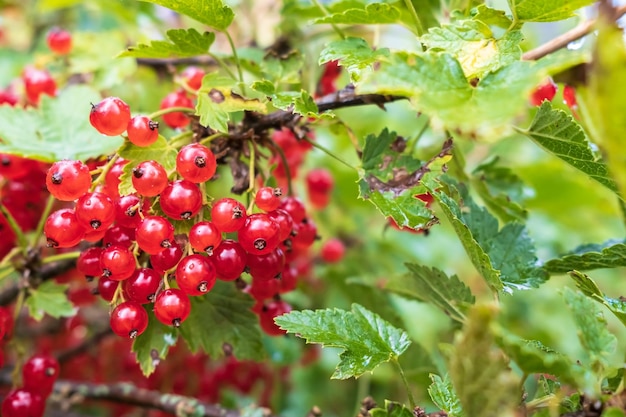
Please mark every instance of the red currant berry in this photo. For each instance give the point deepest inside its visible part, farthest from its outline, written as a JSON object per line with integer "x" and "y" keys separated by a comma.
{"x": 13, "y": 167}
{"x": 154, "y": 234}
{"x": 263, "y": 289}
{"x": 39, "y": 374}
{"x": 110, "y": 117}
{"x": 228, "y": 214}
{"x": 8, "y": 97}
{"x": 95, "y": 211}
{"x": 167, "y": 258}
{"x": 118, "y": 235}
{"x": 294, "y": 207}
{"x": 196, "y": 163}
{"x": 320, "y": 180}
{"x": 545, "y": 91}
{"x": 193, "y": 77}
{"x": 268, "y": 266}
{"x": 117, "y": 263}
{"x": 204, "y": 237}
{"x": 269, "y": 312}
{"x": 68, "y": 180}
{"x": 88, "y": 263}
{"x": 36, "y": 83}
{"x": 142, "y": 131}
{"x": 172, "y": 307}
{"x": 107, "y": 288}
{"x": 92, "y": 235}
{"x": 112, "y": 178}
{"x": 288, "y": 278}
{"x": 268, "y": 198}
{"x": 181, "y": 200}
{"x": 62, "y": 229}
{"x": 284, "y": 221}
{"x": 195, "y": 275}
{"x": 176, "y": 99}
{"x": 229, "y": 259}
{"x": 149, "y": 178}
{"x": 6, "y": 322}
{"x": 259, "y": 235}
{"x": 22, "y": 403}
{"x": 59, "y": 41}
{"x": 305, "y": 234}
{"x": 142, "y": 286}
{"x": 569, "y": 97}
{"x": 127, "y": 210}
{"x": 129, "y": 319}
{"x": 333, "y": 250}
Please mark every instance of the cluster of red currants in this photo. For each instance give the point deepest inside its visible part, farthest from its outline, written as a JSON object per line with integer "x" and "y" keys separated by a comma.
{"x": 38, "y": 376}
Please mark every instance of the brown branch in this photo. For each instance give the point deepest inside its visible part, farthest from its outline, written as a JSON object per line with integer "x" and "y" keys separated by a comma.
{"x": 563, "y": 40}
{"x": 168, "y": 62}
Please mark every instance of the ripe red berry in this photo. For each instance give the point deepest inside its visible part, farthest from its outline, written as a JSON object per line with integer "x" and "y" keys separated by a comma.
{"x": 117, "y": 263}
{"x": 295, "y": 208}
{"x": 181, "y": 200}
{"x": 22, "y": 403}
{"x": 305, "y": 234}
{"x": 167, "y": 258}
{"x": 129, "y": 319}
{"x": 172, "y": 307}
{"x": 127, "y": 210}
{"x": 110, "y": 117}
{"x": 154, "y": 234}
{"x": 545, "y": 91}
{"x": 142, "y": 131}
{"x": 68, "y": 180}
{"x": 39, "y": 374}
{"x": 569, "y": 97}
{"x": 62, "y": 229}
{"x": 228, "y": 214}
{"x": 107, "y": 288}
{"x": 196, "y": 163}
{"x": 333, "y": 250}
{"x": 263, "y": 289}
{"x": 112, "y": 178}
{"x": 259, "y": 235}
{"x": 142, "y": 286}
{"x": 95, "y": 211}
{"x": 229, "y": 259}
{"x": 204, "y": 237}
{"x": 176, "y": 99}
{"x": 284, "y": 221}
{"x": 195, "y": 275}
{"x": 149, "y": 178}
{"x": 118, "y": 235}
{"x": 288, "y": 278}
{"x": 269, "y": 312}
{"x": 13, "y": 167}
{"x": 6, "y": 322}
{"x": 36, "y": 83}
{"x": 268, "y": 266}
{"x": 193, "y": 77}
{"x": 268, "y": 198}
{"x": 59, "y": 41}
{"x": 88, "y": 263}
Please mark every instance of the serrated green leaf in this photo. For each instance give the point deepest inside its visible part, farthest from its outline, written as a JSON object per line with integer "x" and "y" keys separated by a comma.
{"x": 223, "y": 316}
{"x": 374, "y": 13}
{"x": 473, "y": 44}
{"x": 180, "y": 43}
{"x": 558, "y": 133}
{"x": 610, "y": 254}
{"x": 546, "y": 11}
{"x": 533, "y": 357}
{"x": 354, "y": 54}
{"x": 617, "y": 306}
{"x": 49, "y": 298}
{"x": 491, "y": 17}
{"x": 593, "y": 331}
{"x": 154, "y": 343}
{"x": 297, "y": 102}
{"x": 159, "y": 151}
{"x": 367, "y": 341}
{"x": 442, "y": 393}
{"x": 431, "y": 285}
{"x": 58, "y": 129}
{"x": 392, "y": 409}
{"x": 213, "y": 13}
{"x": 480, "y": 375}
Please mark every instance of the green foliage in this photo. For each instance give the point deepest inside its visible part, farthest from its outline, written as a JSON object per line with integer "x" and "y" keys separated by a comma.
{"x": 546, "y": 11}
{"x": 354, "y": 54}
{"x": 610, "y": 254}
{"x": 213, "y": 13}
{"x": 617, "y": 306}
{"x": 221, "y": 317}
{"x": 298, "y": 102}
{"x": 391, "y": 409}
{"x": 365, "y": 338}
{"x": 180, "y": 43}
{"x": 57, "y": 130}
{"x": 442, "y": 393}
{"x": 49, "y": 298}
{"x": 431, "y": 285}
{"x": 153, "y": 345}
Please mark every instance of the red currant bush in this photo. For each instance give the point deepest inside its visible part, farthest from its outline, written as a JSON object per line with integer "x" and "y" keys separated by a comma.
{"x": 110, "y": 117}
{"x": 172, "y": 307}
{"x": 129, "y": 319}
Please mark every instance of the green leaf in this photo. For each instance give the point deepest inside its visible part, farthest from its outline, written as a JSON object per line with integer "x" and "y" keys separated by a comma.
{"x": 366, "y": 339}
{"x": 49, "y": 298}
{"x": 613, "y": 412}
{"x": 611, "y": 254}
{"x": 154, "y": 343}
{"x": 442, "y": 393}
{"x": 474, "y": 46}
{"x": 546, "y": 11}
{"x": 181, "y": 43}
{"x": 491, "y": 17}
{"x": 297, "y": 102}
{"x": 617, "y": 306}
{"x": 218, "y": 97}
{"x": 374, "y": 13}
{"x": 159, "y": 151}
{"x": 534, "y": 358}
{"x": 392, "y": 409}
{"x": 593, "y": 331}
{"x": 354, "y": 54}
{"x": 58, "y": 129}
{"x": 213, "y": 13}
{"x": 479, "y": 372}
{"x": 602, "y": 102}
{"x": 223, "y": 316}
{"x": 431, "y": 285}
{"x": 391, "y": 179}
{"x": 557, "y": 132}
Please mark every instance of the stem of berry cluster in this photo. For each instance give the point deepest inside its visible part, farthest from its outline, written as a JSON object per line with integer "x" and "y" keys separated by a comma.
{"x": 15, "y": 227}
{"x": 42, "y": 220}
{"x": 167, "y": 110}
{"x": 103, "y": 172}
